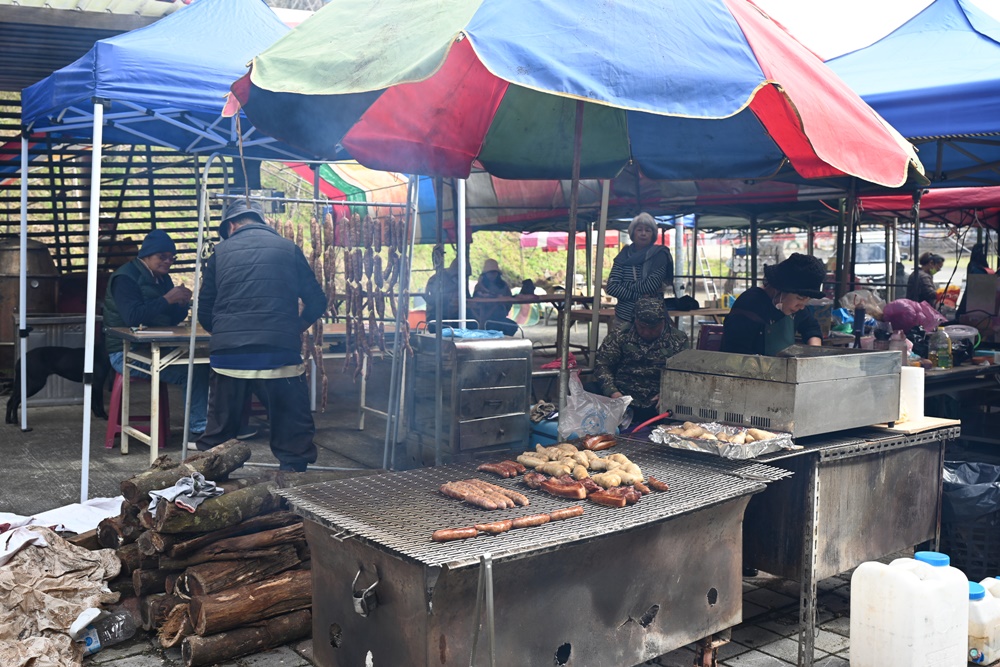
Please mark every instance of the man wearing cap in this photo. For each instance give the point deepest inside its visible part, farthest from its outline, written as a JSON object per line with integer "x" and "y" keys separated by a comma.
{"x": 764, "y": 320}
{"x": 630, "y": 359}
{"x": 249, "y": 301}
{"x": 142, "y": 293}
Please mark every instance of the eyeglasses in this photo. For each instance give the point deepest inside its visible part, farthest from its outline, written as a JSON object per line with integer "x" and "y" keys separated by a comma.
{"x": 165, "y": 256}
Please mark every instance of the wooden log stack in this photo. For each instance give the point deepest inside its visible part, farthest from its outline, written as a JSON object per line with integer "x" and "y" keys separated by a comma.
{"x": 228, "y": 580}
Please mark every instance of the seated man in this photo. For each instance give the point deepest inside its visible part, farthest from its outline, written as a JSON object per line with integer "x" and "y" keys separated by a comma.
{"x": 630, "y": 359}
{"x": 493, "y": 315}
{"x": 142, "y": 293}
{"x": 446, "y": 284}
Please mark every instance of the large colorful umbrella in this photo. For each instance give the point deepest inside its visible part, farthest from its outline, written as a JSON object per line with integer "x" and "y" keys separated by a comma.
{"x": 686, "y": 89}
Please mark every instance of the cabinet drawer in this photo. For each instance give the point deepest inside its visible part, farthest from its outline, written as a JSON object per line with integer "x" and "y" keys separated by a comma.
{"x": 479, "y": 433}
{"x": 478, "y": 403}
{"x": 493, "y": 373}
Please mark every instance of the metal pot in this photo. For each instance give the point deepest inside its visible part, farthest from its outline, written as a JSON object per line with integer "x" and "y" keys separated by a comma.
{"x": 42, "y": 289}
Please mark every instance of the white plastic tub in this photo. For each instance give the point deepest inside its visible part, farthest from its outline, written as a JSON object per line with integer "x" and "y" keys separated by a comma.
{"x": 984, "y": 624}
{"x": 911, "y": 612}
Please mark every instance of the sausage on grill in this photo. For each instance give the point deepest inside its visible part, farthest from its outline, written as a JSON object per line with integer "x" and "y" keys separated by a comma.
{"x": 449, "y": 534}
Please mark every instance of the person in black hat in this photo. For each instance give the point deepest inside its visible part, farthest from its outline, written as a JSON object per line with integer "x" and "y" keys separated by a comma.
{"x": 764, "y": 320}
{"x": 920, "y": 286}
{"x": 250, "y": 302}
{"x": 142, "y": 293}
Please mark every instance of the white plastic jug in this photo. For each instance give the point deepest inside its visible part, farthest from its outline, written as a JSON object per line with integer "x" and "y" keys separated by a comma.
{"x": 913, "y": 612}
{"x": 992, "y": 586}
{"x": 984, "y": 625}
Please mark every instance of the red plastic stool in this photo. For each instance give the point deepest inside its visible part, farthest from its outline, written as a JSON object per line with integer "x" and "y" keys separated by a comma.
{"x": 115, "y": 413}
{"x": 710, "y": 337}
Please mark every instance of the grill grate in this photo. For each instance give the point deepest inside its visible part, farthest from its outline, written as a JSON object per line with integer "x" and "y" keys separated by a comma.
{"x": 399, "y": 511}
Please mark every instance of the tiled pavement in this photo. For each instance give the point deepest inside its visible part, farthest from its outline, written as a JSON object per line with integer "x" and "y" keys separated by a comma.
{"x": 769, "y": 633}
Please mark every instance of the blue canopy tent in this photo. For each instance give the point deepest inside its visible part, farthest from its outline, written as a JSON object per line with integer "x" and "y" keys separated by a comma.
{"x": 936, "y": 79}
{"x": 163, "y": 85}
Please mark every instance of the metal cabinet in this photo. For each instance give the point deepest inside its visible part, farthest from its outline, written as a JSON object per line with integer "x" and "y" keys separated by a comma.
{"x": 485, "y": 393}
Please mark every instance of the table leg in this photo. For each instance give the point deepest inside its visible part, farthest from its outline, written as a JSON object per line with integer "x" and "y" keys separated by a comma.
{"x": 126, "y": 376}
{"x": 807, "y": 594}
{"x": 154, "y": 403}
{"x": 364, "y": 393}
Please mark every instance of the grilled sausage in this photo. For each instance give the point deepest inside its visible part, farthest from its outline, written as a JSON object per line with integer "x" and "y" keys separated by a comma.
{"x": 607, "y": 499}
{"x": 518, "y": 498}
{"x": 656, "y": 484}
{"x": 566, "y": 513}
{"x": 603, "y": 444}
{"x": 448, "y": 534}
{"x": 576, "y": 490}
{"x": 495, "y": 468}
{"x": 511, "y": 468}
{"x": 531, "y": 520}
{"x": 517, "y": 466}
{"x": 534, "y": 479}
{"x": 641, "y": 488}
{"x": 496, "y": 527}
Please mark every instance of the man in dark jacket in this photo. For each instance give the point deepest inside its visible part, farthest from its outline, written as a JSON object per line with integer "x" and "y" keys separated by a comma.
{"x": 142, "y": 293}
{"x": 249, "y": 301}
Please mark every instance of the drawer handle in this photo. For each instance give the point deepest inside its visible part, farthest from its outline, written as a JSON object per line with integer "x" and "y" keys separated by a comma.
{"x": 493, "y": 402}
{"x": 501, "y": 432}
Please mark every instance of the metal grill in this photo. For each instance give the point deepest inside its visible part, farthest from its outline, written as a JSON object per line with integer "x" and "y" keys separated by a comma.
{"x": 400, "y": 511}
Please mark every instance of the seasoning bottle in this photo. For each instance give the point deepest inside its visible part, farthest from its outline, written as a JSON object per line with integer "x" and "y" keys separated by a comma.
{"x": 939, "y": 349}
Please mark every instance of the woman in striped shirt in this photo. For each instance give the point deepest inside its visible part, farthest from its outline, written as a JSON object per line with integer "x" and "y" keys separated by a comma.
{"x": 640, "y": 269}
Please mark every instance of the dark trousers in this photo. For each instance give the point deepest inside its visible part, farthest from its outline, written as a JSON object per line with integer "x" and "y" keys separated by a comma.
{"x": 291, "y": 423}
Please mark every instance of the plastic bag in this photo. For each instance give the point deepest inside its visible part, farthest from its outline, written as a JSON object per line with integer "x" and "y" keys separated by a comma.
{"x": 971, "y": 491}
{"x": 873, "y": 303}
{"x": 589, "y": 414}
{"x": 905, "y": 314}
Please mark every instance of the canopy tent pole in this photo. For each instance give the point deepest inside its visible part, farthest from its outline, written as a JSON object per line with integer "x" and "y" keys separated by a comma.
{"x": 598, "y": 282}
{"x": 463, "y": 260}
{"x": 396, "y": 383}
{"x": 22, "y": 299}
{"x": 752, "y": 259}
{"x": 851, "y": 235}
{"x": 318, "y": 213}
{"x": 889, "y": 259}
{"x": 839, "y": 268}
{"x": 438, "y": 334}
{"x": 88, "y": 354}
{"x": 917, "y": 194}
{"x": 202, "y": 215}
{"x": 574, "y": 196}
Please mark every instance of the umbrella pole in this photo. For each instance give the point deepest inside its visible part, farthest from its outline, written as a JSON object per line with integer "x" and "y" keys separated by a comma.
{"x": 598, "y": 282}
{"x": 463, "y": 259}
{"x": 574, "y": 196}
{"x": 22, "y": 291}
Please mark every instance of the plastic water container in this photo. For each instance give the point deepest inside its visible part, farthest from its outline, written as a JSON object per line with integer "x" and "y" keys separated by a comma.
{"x": 984, "y": 624}
{"x": 992, "y": 586}
{"x": 913, "y": 612}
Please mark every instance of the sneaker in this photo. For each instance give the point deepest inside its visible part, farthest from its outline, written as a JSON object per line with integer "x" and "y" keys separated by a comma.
{"x": 193, "y": 438}
{"x": 246, "y": 433}
{"x": 192, "y": 445}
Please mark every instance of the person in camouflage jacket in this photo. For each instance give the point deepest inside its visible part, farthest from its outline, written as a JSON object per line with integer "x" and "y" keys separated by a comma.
{"x": 630, "y": 359}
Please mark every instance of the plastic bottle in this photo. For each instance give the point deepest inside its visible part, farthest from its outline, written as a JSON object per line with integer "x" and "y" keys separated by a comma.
{"x": 984, "y": 625}
{"x": 98, "y": 629}
{"x": 939, "y": 349}
{"x": 992, "y": 586}
{"x": 913, "y": 612}
{"x": 897, "y": 341}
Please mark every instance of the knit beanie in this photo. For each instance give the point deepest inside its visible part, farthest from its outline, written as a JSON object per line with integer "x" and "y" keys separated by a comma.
{"x": 157, "y": 241}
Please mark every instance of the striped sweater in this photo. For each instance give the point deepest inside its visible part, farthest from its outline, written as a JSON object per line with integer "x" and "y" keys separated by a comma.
{"x": 626, "y": 283}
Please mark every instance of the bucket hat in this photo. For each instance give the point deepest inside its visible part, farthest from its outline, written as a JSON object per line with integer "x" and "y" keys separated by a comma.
{"x": 799, "y": 274}
{"x": 237, "y": 209}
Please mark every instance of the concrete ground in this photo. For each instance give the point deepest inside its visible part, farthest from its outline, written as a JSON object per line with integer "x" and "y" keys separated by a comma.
{"x": 43, "y": 472}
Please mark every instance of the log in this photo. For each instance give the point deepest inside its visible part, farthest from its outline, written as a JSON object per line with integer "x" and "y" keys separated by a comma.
{"x": 225, "y": 556}
{"x": 130, "y": 557}
{"x": 176, "y": 626}
{"x": 214, "y": 464}
{"x": 234, "y": 546}
{"x": 289, "y": 591}
{"x": 190, "y": 544}
{"x": 223, "y": 647}
{"x": 209, "y": 578}
{"x": 113, "y": 532}
{"x": 170, "y": 582}
{"x": 149, "y": 581}
{"x": 152, "y": 543}
{"x": 221, "y": 512}
{"x": 122, "y": 584}
{"x": 87, "y": 540}
{"x": 156, "y": 608}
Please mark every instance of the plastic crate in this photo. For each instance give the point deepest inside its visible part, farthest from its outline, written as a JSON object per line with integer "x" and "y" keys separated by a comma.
{"x": 973, "y": 546}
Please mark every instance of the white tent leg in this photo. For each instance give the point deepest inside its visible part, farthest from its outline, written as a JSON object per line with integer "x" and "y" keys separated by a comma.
{"x": 202, "y": 214}
{"x": 463, "y": 259}
{"x": 22, "y": 304}
{"x": 602, "y": 231}
{"x": 88, "y": 355}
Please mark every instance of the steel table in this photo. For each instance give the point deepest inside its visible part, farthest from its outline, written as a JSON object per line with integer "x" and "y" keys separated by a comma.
{"x": 853, "y": 496}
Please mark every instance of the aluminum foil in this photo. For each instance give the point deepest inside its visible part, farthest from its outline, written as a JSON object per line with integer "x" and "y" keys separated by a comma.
{"x": 727, "y": 450}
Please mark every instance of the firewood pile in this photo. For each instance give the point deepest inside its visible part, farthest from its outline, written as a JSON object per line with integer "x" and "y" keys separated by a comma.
{"x": 230, "y": 579}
